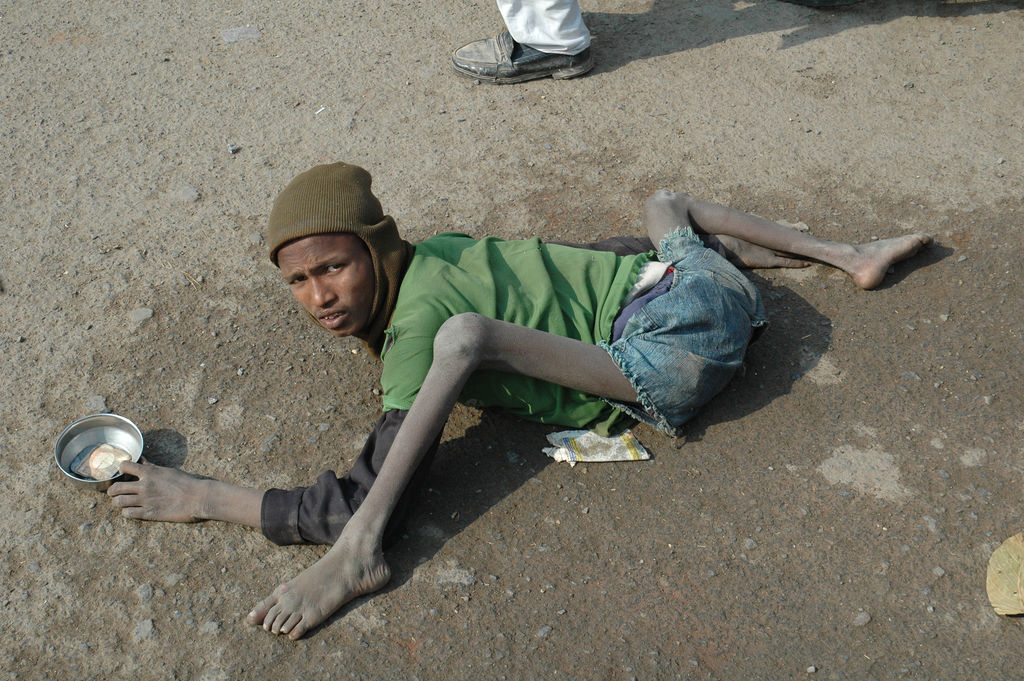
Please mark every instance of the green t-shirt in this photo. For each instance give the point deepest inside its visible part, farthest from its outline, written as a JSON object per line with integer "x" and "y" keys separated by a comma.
{"x": 571, "y": 292}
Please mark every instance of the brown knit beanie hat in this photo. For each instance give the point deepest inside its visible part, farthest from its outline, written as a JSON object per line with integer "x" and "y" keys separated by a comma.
{"x": 336, "y": 199}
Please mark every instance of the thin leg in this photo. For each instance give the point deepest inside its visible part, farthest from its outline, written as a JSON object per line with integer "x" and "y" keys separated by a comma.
{"x": 867, "y": 264}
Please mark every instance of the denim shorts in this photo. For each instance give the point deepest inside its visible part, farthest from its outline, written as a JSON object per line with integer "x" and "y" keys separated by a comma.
{"x": 683, "y": 347}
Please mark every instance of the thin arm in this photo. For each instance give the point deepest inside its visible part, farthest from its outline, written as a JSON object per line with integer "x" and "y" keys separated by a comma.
{"x": 171, "y": 495}
{"x": 462, "y": 345}
{"x": 355, "y": 563}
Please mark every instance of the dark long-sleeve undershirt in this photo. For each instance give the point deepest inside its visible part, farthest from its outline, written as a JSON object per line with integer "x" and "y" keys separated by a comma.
{"x": 318, "y": 513}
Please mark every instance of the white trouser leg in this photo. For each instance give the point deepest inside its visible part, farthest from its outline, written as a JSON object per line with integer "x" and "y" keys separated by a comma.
{"x": 554, "y": 26}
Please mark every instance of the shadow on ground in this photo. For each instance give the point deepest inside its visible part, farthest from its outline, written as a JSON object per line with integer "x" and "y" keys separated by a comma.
{"x": 165, "y": 447}
{"x": 670, "y": 26}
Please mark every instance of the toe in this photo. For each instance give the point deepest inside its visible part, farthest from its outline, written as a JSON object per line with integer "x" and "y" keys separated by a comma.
{"x": 295, "y": 628}
{"x": 290, "y": 622}
{"x": 259, "y": 612}
{"x": 299, "y": 631}
{"x": 273, "y": 620}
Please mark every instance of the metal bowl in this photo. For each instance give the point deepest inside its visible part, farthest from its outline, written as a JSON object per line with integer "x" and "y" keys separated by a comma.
{"x": 95, "y": 430}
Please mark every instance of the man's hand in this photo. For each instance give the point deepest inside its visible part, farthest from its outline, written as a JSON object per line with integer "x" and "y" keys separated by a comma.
{"x": 160, "y": 493}
{"x": 175, "y": 496}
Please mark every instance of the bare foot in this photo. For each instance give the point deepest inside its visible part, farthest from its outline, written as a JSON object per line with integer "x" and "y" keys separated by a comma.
{"x": 868, "y": 263}
{"x": 747, "y": 255}
{"x": 319, "y": 591}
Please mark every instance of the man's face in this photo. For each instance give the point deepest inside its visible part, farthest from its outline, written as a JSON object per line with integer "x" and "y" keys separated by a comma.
{"x": 331, "y": 275}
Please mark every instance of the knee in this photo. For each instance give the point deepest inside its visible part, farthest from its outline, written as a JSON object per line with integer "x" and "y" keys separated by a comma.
{"x": 461, "y": 339}
{"x": 664, "y": 199}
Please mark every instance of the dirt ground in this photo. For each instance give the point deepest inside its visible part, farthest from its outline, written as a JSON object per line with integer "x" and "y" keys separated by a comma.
{"x": 829, "y": 516}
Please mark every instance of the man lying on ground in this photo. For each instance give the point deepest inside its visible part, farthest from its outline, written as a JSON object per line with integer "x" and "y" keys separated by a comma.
{"x": 579, "y": 337}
